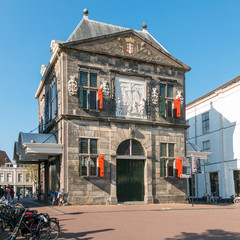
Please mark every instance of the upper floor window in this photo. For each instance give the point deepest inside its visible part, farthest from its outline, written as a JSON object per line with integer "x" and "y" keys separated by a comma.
{"x": 206, "y": 147}
{"x": 1, "y": 177}
{"x": 50, "y": 103}
{"x": 167, "y": 160}
{"x": 166, "y": 100}
{"x": 20, "y": 177}
{"x": 9, "y": 177}
{"x": 88, "y": 157}
{"x": 27, "y": 177}
{"x": 88, "y": 90}
{"x": 205, "y": 123}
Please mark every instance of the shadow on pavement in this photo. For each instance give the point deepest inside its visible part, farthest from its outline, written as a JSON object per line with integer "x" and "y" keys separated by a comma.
{"x": 80, "y": 235}
{"x": 209, "y": 234}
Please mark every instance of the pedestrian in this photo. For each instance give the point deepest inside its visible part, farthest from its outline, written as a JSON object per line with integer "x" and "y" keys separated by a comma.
{"x": 18, "y": 195}
{"x": 1, "y": 192}
{"x": 12, "y": 194}
{"x": 8, "y": 193}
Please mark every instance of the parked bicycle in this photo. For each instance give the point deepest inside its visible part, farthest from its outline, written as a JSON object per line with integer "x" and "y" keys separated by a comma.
{"x": 15, "y": 220}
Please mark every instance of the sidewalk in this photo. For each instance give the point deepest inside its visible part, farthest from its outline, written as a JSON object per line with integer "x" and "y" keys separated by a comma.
{"x": 151, "y": 221}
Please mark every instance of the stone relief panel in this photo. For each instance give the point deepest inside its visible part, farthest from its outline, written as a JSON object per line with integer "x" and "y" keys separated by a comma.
{"x": 130, "y": 97}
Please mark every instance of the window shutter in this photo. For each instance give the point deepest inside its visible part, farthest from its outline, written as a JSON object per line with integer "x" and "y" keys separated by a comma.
{"x": 100, "y": 98}
{"x": 178, "y": 167}
{"x": 101, "y": 165}
{"x": 177, "y": 107}
{"x": 81, "y": 96}
{"x": 162, "y": 106}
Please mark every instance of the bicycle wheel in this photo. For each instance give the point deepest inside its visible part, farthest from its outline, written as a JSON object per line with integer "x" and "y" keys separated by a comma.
{"x": 49, "y": 230}
{"x": 236, "y": 200}
{"x": 6, "y": 229}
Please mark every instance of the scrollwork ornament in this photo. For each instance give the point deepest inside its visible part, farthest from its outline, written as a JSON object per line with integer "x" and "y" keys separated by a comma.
{"x": 154, "y": 96}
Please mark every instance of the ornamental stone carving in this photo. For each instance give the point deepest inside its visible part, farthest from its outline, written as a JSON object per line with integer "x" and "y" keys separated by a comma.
{"x": 72, "y": 86}
{"x": 154, "y": 96}
{"x": 105, "y": 89}
{"x": 130, "y": 97}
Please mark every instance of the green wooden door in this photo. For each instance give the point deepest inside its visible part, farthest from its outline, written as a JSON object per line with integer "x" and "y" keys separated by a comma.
{"x": 130, "y": 180}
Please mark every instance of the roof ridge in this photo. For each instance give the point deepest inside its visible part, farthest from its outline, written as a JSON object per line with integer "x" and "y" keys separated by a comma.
{"x": 107, "y": 24}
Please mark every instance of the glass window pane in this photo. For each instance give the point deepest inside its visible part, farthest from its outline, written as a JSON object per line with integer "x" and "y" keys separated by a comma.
{"x": 169, "y": 109}
{"x": 84, "y": 145}
{"x": 162, "y": 167}
{"x": 163, "y": 150}
{"x": 124, "y": 148}
{"x": 137, "y": 148}
{"x": 170, "y": 168}
{"x": 93, "y": 166}
{"x": 84, "y": 163}
{"x": 83, "y": 78}
{"x": 170, "y": 91}
{"x": 162, "y": 90}
{"x": 93, "y": 146}
{"x": 1, "y": 177}
{"x": 84, "y": 99}
{"x": 93, "y": 80}
{"x": 93, "y": 98}
{"x": 171, "y": 150}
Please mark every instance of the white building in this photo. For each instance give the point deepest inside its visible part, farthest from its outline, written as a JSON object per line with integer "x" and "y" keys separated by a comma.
{"x": 17, "y": 177}
{"x": 214, "y": 127}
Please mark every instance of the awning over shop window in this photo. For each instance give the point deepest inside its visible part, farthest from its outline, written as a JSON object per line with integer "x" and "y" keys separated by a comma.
{"x": 193, "y": 151}
{"x": 35, "y": 146}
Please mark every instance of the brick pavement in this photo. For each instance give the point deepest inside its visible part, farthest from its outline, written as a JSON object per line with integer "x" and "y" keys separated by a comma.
{"x": 152, "y": 221}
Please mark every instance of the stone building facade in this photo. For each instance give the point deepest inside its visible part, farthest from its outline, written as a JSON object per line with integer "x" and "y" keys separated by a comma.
{"x": 114, "y": 98}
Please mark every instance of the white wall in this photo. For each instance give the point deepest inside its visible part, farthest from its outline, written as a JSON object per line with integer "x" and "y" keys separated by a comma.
{"x": 224, "y": 136}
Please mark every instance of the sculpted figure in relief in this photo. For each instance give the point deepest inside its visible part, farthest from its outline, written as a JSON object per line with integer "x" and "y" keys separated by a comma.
{"x": 141, "y": 107}
{"x": 72, "y": 86}
{"x": 105, "y": 89}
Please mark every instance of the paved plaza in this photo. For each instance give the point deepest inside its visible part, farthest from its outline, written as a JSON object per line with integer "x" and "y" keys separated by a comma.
{"x": 152, "y": 221}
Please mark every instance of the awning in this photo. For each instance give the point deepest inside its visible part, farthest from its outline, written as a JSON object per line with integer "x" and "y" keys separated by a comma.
{"x": 32, "y": 147}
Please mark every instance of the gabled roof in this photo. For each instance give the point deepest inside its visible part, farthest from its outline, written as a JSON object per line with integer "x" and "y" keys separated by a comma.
{"x": 90, "y": 29}
{"x": 223, "y": 86}
{"x": 4, "y": 158}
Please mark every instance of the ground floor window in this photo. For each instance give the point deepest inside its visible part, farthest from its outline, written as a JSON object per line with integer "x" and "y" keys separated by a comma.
{"x": 236, "y": 178}
{"x": 88, "y": 157}
{"x": 214, "y": 184}
{"x": 167, "y": 160}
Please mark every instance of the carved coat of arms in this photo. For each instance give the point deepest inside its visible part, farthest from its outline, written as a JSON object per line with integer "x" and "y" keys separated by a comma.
{"x": 130, "y": 45}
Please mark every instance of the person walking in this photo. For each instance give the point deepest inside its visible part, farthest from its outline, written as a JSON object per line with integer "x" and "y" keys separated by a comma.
{"x": 8, "y": 193}
{"x": 1, "y": 192}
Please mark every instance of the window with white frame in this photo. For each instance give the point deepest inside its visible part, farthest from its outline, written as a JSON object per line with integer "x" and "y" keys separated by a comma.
{"x": 206, "y": 147}
{"x": 166, "y": 100}
{"x": 20, "y": 177}
{"x": 1, "y": 177}
{"x": 9, "y": 177}
{"x": 167, "y": 160}
{"x": 88, "y": 90}
{"x": 88, "y": 157}
{"x": 27, "y": 177}
{"x": 205, "y": 122}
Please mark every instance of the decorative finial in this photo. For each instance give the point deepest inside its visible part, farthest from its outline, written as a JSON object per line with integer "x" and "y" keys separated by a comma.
{"x": 85, "y": 12}
{"x": 144, "y": 27}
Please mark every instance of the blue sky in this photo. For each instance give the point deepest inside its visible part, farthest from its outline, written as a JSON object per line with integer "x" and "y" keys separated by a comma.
{"x": 204, "y": 34}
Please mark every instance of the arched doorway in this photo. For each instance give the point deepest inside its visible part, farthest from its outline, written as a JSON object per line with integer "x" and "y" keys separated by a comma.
{"x": 130, "y": 171}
